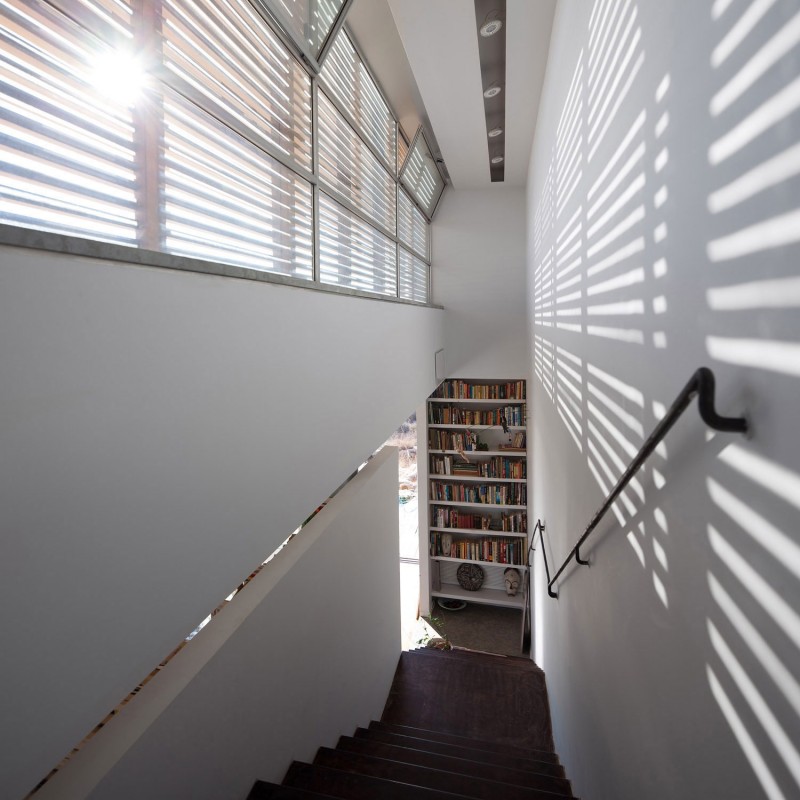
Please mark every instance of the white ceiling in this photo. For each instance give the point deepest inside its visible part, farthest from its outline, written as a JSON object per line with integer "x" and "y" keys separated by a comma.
{"x": 425, "y": 55}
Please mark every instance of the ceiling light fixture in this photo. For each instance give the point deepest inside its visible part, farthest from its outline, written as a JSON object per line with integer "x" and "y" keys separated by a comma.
{"x": 491, "y": 27}
{"x": 492, "y": 91}
{"x": 497, "y": 160}
{"x": 495, "y": 132}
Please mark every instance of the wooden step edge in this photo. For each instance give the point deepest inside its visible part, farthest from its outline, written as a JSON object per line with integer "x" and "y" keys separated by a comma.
{"x": 264, "y": 790}
{"x": 476, "y": 656}
{"x": 470, "y": 753}
{"x": 456, "y": 764}
{"x": 464, "y": 741}
{"x": 337, "y": 781}
{"x": 427, "y": 777}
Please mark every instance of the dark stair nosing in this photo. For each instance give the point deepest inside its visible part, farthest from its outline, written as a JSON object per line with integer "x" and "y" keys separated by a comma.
{"x": 355, "y": 786}
{"x": 465, "y": 741}
{"x": 480, "y": 788}
{"x": 263, "y": 790}
{"x": 453, "y": 764}
{"x": 471, "y": 753}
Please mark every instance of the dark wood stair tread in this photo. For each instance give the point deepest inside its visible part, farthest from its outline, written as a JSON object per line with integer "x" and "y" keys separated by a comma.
{"x": 356, "y": 786}
{"x": 263, "y": 790}
{"x": 461, "y": 766}
{"x": 464, "y": 741}
{"x": 492, "y": 659}
{"x": 430, "y": 778}
{"x": 471, "y": 753}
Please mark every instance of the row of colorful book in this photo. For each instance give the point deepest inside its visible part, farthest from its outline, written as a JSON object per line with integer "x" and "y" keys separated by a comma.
{"x": 466, "y": 390}
{"x": 498, "y": 494}
{"x": 456, "y": 415}
{"x": 495, "y": 467}
{"x": 491, "y": 549}
{"x": 510, "y": 522}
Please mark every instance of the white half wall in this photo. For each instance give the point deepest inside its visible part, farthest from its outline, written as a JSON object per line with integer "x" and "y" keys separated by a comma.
{"x": 663, "y": 235}
{"x": 162, "y": 433}
{"x": 479, "y": 277}
{"x": 304, "y": 654}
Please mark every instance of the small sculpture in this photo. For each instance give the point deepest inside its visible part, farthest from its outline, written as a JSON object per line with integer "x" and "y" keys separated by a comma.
{"x": 511, "y": 578}
{"x": 447, "y": 544}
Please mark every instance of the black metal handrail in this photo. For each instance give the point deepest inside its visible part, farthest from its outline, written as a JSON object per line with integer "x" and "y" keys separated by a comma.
{"x": 701, "y": 384}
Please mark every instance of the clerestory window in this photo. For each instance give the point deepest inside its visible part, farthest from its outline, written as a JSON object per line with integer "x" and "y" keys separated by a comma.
{"x": 192, "y": 129}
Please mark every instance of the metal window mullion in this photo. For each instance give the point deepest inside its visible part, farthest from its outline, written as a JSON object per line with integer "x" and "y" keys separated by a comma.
{"x": 148, "y": 124}
{"x": 345, "y": 201}
{"x": 348, "y": 118}
{"x": 315, "y": 254}
{"x": 188, "y": 92}
{"x": 414, "y": 253}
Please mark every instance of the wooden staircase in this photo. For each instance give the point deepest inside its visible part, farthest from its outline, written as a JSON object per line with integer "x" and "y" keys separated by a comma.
{"x": 457, "y": 724}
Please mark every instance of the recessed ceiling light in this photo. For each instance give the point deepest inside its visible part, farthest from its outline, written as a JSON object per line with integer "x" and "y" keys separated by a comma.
{"x": 495, "y": 132}
{"x": 491, "y": 27}
{"x": 497, "y": 160}
{"x": 492, "y": 91}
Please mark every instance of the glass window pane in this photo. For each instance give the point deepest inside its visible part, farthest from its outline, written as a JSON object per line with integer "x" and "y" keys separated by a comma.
{"x": 412, "y": 227}
{"x": 225, "y": 200}
{"x": 413, "y": 277}
{"x": 308, "y": 22}
{"x": 67, "y": 146}
{"x": 421, "y": 176}
{"x": 354, "y": 254}
{"x": 222, "y": 54}
{"x": 351, "y": 86}
{"x": 348, "y": 165}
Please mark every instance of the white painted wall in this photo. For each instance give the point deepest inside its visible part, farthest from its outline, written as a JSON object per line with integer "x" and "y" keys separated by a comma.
{"x": 305, "y": 654}
{"x": 672, "y": 662}
{"x": 161, "y": 433}
{"x": 479, "y": 277}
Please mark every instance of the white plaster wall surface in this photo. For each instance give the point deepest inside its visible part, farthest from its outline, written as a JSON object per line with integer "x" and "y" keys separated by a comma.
{"x": 662, "y": 235}
{"x": 162, "y": 432}
{"x": 479, "y": 277}
{"x": 314, "y": 660}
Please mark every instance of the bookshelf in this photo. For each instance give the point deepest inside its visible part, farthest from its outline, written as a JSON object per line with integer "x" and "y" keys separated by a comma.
{"x": 477, "y": 488}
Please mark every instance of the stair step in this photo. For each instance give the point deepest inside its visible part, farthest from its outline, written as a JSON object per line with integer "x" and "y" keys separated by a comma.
{"x": 502, "y": 662}
{"x": 355, "y": 786}
{"x": 470, "y": 753}
{"x": 430, "y": 778}
{"x": 461, "y": 766}
{"x": 263, "y": 790}
{"x": 464, "y": 741}
{"x": 473, "y": 697}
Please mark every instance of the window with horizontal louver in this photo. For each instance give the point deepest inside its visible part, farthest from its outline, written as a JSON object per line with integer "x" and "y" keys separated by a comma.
{"x": 66, "y": 151}
{"x": 402, "y": 151}
{"x": 421, "y": 176}
{"x": 308, "y": 22}
{"x": 413, "y": 277}
{"x": 351, "y": 85}
{"x": 224, "y": 56}
{"x": 347, "y": 165}
{"x": 413, "y": 229}
{"x": 225, "y": 200}
{"x": 354, "y": 254}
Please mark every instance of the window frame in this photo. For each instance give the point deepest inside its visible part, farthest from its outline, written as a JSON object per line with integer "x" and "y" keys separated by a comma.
{"x": 70, "y": 244}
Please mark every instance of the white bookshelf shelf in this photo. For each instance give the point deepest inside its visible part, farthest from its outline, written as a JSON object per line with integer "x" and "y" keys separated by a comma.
{"x": 492, "y": 597}
{"x": 476, "y": 479}
{"x": 484, "y": 506}
{"x": 479, "y": 532}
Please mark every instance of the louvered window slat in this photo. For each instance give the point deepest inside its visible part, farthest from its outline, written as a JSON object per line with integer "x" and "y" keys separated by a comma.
{"x": 421, "y": 176}
{"x": 348, "y": 165}
{"x": 412, "y": 227}
{"x": 354, "y": 254}
{"x": 223, "y": 51}
{"x": 225, "y": 200}
{"x": 353, "y": 88}
{"x": 66, "y": 153}
{"x": 413, "y": 277}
